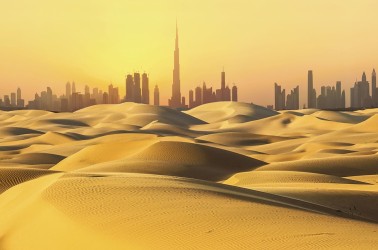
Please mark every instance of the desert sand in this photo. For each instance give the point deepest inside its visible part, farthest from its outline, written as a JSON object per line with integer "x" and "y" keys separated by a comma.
{"x": 220, "y": 176}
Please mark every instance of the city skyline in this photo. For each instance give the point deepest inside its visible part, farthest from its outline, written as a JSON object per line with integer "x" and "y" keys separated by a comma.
{"x": 260, "y": 42}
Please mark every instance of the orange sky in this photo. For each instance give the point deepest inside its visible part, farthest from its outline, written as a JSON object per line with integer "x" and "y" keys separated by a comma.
{"x": 45, "y": 42}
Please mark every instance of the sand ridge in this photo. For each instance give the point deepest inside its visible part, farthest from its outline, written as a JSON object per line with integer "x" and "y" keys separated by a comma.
{"x": 220, "y": 176}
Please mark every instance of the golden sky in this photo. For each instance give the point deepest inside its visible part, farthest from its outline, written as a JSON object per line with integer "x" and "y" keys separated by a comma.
{"x": 258, "y": 42}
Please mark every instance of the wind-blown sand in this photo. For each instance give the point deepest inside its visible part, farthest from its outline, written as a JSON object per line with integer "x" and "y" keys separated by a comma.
{"x": 220, "y": 176}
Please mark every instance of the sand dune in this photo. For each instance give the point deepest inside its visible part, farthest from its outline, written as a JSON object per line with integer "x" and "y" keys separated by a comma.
{"x": 181, "y": 159}
{"x": 231, "y": 111}
{"x": 128, "y": 210}
{"x": 220, "y": 176}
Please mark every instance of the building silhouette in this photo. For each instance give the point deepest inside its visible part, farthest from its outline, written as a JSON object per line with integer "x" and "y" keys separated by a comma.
{"x": 234, "y": 93}
{"x": 206, "y": 95}
{"x": 279, "y": 97}
{"x": 156, "y": 96}
{"x": 374, "y": 91}
{"x": 311, "y": 93}
{"x": 145, "y": 89}
{"x": 134, "y": 92}
{"x": 176, "y": 101}
{"x": 331, "y": 97}
{"x": 360, "y": 94}
{"x": 13, "y": 100}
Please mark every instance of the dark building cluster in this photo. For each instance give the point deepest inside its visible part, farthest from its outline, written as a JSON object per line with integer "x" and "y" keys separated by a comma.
{"x": 281, "y": 101}
{"x": 330, "y": 97}
{"x": 14, "y": 100}
{"x": 202, "y": 95}
{"x": 138, "y": 90}
{"x": 73, "y": 100}
{"x": 360, "y": 93}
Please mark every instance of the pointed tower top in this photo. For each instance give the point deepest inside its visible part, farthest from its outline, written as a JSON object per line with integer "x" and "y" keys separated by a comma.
{"x": 373, "y": 71}
{"x": 176, "y": 35}
{"x": 364, "y": 77}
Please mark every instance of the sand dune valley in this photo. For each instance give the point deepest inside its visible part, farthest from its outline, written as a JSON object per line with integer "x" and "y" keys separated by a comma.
{"x": 220, "y": 176}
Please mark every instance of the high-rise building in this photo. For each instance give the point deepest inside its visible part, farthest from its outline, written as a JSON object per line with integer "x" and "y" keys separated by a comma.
{"x": 374, "y": 90}
{"x": 175, "y": 101}
{"x": 113, "y": 95}
{"x": 223, "y": 84}
{"x": 198, "y": 96}
{"x": 292, "y": 100}
{"x": 227, "y": 94}
{"x": 279, "y": 97}
{"x": 73, "y": 87}
{"x": 13, "y": 100}
{"x": 137, "y": 93}
{"x": 234, "y": 93}
{"x": 68, "y": 90}
{"x": 311, "y": 94}
{"x": 20, "y": 101}
{"x": 145, "y": 89}
{"x": 19, "y": 94}
{"x": 129, "y": 88}
{"x": 191, "y": 99}
{"x": 360, "y": 94}
{"x": 156, "y": 96}
{"x": 331, "y": 97}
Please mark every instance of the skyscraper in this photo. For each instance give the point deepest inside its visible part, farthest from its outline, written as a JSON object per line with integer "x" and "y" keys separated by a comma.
{"x": 234, "y": 93}
{"x": 156, "y": 96}
{"x": 145, "y": 89}
{"x": 20, "y": 101}
{"x": 19, "y": 94}
{"x": 311, "y": 94}
{"x": 137, "y": 93}
{"x": 360, "y": 94}
{"x": 68, "y": 90}
{"x": 73, "y": 87}
{"x": 279, "y": 97}
{"x": 175, "y": 101}
{"x": 223, "y": 85}
{"x": 374, "y": 88}
{"x": 129, "y": 88}
{"x": 13, "y": 99}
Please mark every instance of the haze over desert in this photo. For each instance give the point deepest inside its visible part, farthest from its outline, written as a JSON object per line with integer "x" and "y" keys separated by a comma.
{"x": 223, "y": 175}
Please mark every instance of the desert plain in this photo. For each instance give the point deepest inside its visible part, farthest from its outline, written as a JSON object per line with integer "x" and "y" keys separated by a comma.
{"x": 220, "y": 176}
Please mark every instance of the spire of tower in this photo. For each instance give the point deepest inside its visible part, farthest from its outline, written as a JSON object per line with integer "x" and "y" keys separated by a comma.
{"x": 176, "y": 35}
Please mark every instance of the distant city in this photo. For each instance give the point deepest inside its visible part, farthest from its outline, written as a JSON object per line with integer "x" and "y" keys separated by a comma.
{"x": 137, "y": 90}
{"x": 331, "y": 97}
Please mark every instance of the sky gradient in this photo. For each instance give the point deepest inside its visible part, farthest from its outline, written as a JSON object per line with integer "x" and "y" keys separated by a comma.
{"x": 47, "y": 43}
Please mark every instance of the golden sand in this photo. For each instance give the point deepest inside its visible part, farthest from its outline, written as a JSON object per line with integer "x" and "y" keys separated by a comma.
{"x": 220, "y": 176}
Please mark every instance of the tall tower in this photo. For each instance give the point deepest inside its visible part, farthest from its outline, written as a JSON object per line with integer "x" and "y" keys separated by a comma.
{"x": 234, "y": 93}
{"x": 223, "y": 85}
{"x": 145, "y": 89}
{"x": 175, "y": 101}
{"x": 156, "y": 96}
{"x": 73, "y": 87}
{"x": 129, "y": 88}
{"x": 18, "y": 94}
{"x": 374, "y": 88}
{"x": 310, "y": 91}
{"x": 137, "y": 93}
{"x": 68, "y": 90}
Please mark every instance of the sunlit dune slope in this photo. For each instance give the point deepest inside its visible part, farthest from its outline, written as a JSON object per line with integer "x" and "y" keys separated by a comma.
{"x": 220, "y": 176}
{"x": 139, "y": 211}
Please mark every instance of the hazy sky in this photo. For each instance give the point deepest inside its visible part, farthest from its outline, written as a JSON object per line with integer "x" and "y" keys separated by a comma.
{"x": 258, "y": 42}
